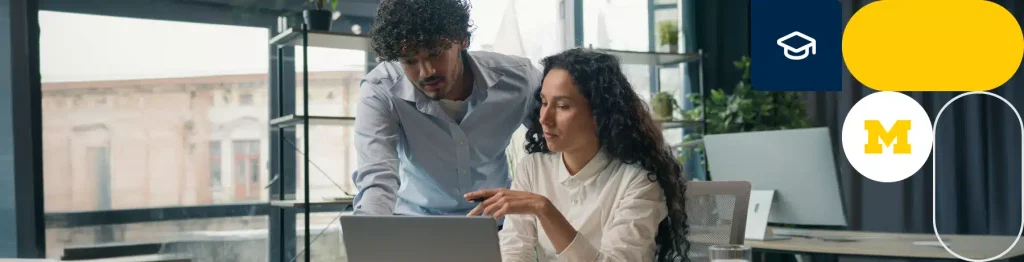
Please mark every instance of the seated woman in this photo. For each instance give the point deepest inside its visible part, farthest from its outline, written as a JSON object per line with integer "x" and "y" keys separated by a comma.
{"x": 599, "y": 183}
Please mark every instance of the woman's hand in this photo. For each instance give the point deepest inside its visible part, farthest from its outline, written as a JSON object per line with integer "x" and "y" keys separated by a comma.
{"x": 500, "y": 202}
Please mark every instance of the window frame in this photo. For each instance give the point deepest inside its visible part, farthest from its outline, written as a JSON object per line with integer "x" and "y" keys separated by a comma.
{"x": 282, "y": 233}
{"x": 160, "y": 214}
{"x": 20, "y": 41}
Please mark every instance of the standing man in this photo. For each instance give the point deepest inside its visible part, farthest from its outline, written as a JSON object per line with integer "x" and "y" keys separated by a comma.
{"x": 433, "y": 119}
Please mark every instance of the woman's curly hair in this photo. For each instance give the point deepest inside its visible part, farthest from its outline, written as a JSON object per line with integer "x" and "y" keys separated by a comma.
{"x": 403, "y": 27}
{"x": 627, "y": 132}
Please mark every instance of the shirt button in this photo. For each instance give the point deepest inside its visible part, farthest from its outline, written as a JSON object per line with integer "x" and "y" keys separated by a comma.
{"x": 462, "y": 143}
{"x": 575, "y": 202}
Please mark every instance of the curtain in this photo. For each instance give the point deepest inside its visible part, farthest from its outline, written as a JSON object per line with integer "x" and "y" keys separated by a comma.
{"x": 527, "y": 28}
{"x": 977, "y": 160}
{"x": 509, "y": 41}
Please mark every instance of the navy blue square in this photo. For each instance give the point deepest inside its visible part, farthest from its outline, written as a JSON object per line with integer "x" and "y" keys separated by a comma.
{"x": 796, "y": 45}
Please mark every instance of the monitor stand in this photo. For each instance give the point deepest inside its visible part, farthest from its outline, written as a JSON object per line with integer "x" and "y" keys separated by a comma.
{"x": 757, "y": 216}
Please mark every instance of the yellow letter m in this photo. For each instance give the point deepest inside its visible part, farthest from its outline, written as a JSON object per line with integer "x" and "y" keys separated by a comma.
{"x": 877, "y": 133}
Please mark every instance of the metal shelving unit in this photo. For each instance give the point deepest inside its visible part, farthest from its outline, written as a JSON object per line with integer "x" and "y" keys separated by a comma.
{"x": 293, "y": 120}
{"x": 652, "y": 58}
{"x": 687, "y": 124}
{"x": 659, "y": 60}
{"x": 301, "y": 37}
{"x": 302, "y": 204}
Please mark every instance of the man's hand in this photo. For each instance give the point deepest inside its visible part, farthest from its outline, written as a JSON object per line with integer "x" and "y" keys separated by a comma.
{"x": 500, "y": 202}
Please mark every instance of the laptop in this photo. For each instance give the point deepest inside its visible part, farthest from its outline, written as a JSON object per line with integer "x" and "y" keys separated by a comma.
{"x": 420, "y": 238}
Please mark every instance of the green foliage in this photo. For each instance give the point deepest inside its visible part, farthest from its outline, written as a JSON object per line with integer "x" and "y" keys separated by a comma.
{"x": 748, "y": 110}
{"x": 745, "y": 110}
{"x": 669, "y": 31}
{"x": 319, "y": 4}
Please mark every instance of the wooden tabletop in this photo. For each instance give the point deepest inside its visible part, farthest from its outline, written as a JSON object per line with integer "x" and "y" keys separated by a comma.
{"x": 891, "y": 244}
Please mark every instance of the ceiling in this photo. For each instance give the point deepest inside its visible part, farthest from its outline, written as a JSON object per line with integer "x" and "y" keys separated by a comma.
{"x": 232, "y": 12}
{"x": 352, "y": 8}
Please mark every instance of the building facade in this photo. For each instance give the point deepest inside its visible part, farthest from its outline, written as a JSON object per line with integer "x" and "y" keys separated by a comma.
{"x": 182, "y": 141}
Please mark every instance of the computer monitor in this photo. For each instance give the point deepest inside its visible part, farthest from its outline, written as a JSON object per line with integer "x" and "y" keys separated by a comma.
{"x": 798, "y": 164}
{"x": 420, "y": 238}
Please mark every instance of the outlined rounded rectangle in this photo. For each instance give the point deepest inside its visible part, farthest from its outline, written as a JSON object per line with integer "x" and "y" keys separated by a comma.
{"x": 935, "y": 126}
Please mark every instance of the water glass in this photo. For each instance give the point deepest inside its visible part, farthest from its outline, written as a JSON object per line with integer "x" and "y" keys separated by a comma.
{"x": 729, "y": 253}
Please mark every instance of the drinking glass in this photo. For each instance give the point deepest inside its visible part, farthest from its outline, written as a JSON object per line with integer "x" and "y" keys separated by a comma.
{"x": 729, "y": 253}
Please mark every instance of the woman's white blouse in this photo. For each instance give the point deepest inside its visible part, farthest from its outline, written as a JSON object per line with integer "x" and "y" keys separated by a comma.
{"x": 614, "y": 207}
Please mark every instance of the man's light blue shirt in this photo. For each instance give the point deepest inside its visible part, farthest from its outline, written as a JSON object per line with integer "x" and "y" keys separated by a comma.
{"x": 414, "y": 159}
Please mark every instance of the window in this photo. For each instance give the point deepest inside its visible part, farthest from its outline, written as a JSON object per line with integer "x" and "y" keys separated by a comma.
{"x": 620, "y": 25}
{"x": 527, "y": 28}
{"x": 331, "y": 148}
{"x": 226, "y": 96}
{"x": 133, "y": 96}
{"x": 247, "y": 170}
{"x": 99, "y": 168}
{"x": 245, "y": 99}
{"x": 164, "y": 99}
{"x": 623, "y": 25}
{"x": 671, "y": 78}
{"x": 215, "y": 166}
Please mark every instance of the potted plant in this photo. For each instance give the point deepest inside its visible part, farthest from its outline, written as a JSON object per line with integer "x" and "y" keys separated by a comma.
{"x": 669, "y": 35}
{"x": 746, "y": 110}
{"x": 319, "y": 17}
{"x": 663, "y": 104}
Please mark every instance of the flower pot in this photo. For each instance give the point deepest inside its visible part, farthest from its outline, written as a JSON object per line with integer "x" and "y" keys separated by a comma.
{"x": 317, "y": 20}
{"x": 671, "y": 49}
{"x": 663, "y": 107}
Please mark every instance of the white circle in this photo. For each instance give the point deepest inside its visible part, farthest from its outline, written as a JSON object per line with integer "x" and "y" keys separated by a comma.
{"x": 888, "y": 164}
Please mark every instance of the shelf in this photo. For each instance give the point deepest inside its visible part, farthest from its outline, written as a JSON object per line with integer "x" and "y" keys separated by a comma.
{"x": 651, "y": 58}
{"x": 299, "y": 204}
{"x": 669, "y": 124}
{"x": 138, "y": 258}
{"x": 293, "y": 36}
{"x": 295, "y": 120}
{"x": 690, "y": 144}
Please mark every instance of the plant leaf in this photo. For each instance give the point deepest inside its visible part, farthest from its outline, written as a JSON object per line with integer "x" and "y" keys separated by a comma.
{"x": 744, "y": 109}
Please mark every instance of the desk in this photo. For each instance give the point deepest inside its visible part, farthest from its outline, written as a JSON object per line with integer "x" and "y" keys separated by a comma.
{"x": 892, "y": 245}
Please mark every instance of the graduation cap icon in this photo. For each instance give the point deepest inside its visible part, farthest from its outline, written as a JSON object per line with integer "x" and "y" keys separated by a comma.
{"x": 799, "y": 44}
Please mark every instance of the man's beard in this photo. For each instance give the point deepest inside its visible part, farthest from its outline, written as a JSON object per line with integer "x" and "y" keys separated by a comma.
{"x": 439, "y": 94}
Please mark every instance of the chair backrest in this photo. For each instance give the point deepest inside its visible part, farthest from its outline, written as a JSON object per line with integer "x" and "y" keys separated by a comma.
{"x": 716, "y": 214}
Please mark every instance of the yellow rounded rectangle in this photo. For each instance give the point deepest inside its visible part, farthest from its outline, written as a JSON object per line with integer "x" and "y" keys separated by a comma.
{"x": 932, "y": 45}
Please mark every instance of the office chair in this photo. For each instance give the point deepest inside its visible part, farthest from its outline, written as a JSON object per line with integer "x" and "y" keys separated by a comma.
{"x": 716, "y": 214}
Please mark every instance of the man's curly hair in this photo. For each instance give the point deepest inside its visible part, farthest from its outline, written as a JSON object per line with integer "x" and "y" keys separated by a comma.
{"x": 626, "y": 130}
{"x": 403, "y": 27}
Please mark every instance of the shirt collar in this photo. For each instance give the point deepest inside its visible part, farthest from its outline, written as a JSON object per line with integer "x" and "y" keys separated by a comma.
{"x": 595, "y": 166}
